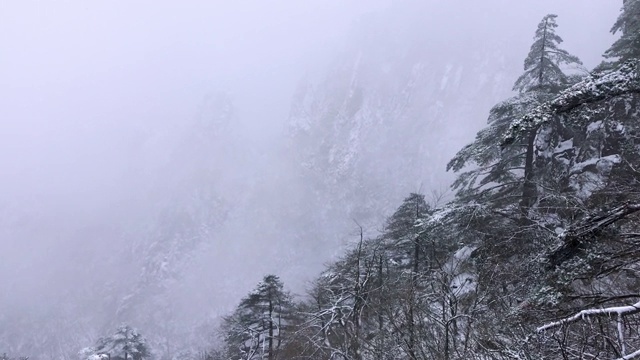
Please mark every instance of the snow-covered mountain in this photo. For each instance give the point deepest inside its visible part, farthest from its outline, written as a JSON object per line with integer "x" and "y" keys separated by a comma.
{"x": 390, "y": 113}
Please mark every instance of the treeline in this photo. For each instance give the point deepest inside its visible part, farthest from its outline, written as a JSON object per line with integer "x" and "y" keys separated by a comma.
{"x": 543, "y": 227}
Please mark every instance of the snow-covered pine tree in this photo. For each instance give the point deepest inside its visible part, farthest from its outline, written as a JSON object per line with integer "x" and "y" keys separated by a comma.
{"x": 543, "y": 63}
{"x": 258, "y": 327}
{"x": 627, "y": 47}
{"x": 401, "y": 234}
{"x": 405, "y": 249}
{"x": 500, "y": 202}
{"x": 507, "y": 175}
{"x": 594, "y": 262}
{"x": 126, "y": 343}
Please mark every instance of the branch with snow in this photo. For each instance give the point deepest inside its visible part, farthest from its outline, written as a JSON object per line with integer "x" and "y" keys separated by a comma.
{"x": 598, "y": 222}
{"x": 633, "y": 355}
{"x": 610, "y": 311}
{"x": 616, "y": 311}
{"x": 577, "y": 233}
{"x": 624, "y": 80}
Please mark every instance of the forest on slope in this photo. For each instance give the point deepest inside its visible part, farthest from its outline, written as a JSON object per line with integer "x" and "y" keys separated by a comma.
{"x": 536, "y": 257}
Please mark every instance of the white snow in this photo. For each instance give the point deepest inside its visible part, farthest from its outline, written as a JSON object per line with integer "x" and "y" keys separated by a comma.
{"x": 563, "y": 146}
{"x": 464, "y": 253}
{"x": 615, "y": 310}
{"x": 463, "y": 283}
{"x": 594, "y": 126}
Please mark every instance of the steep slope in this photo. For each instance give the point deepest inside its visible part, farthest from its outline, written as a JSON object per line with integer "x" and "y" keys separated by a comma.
{"x": 391, "y": 112}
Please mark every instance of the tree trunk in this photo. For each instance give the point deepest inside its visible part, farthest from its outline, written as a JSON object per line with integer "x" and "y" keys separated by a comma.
{"x": 544, "y": 45}
{"x": 529, "y": 187}
{"x": 445, "y": 320}
{"x": 357, "y": 304}
{"x": 411, "y": 325}
{"x": 270, "y": 326}
{"x": 380, "y": 317}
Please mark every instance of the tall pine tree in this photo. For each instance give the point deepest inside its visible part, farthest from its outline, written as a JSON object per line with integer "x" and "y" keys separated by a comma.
{"x": 125, "y": 344}
{"x": 627, "y": 47}
{"x": 257, "y": 328}
{"x": 506, "y": 176}
{"x": 543, "y": 63}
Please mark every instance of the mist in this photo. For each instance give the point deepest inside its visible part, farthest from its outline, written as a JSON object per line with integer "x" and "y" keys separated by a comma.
{"x": 158, "y": 159}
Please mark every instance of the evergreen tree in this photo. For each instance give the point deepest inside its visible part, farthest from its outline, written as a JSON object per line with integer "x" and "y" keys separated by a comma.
{"x": 126, "y": 343}
{"x": 405, "y": 248}
{"x": 258, "y": 327}
{"x": 506, "y": 175}
{"x": 503, "y": 204}
{"x": 401, "y": 233}
{"x": 627, "y": 47}
{"x": 498, "y": 178}
{"x": 593, "y": 263}
{"x": 543, "y": 63}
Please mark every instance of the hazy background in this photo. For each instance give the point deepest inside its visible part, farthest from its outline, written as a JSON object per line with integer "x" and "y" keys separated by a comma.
{"x": 157, "y": 158}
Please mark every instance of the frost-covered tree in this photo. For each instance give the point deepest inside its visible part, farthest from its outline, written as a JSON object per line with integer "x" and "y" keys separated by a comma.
{"x": 593, "y": 262}
{"x": 507, "y": 175}
{"x": 407, "y": 294}
{"x": 401, "y": 234}
{"x": 505, "y": 202}
{"x": 126, "y": 343}
{"x": 343, "y": 319}
{"x": 543, "y": 63}
{"x": 258, "y": 327}
{"x": 627, "y": 47}
{"x": 498, "y": 176}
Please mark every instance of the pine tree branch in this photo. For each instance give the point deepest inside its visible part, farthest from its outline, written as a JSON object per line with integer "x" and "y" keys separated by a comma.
{"x": 622, "y": 81}
{"x": 574, "y": 236}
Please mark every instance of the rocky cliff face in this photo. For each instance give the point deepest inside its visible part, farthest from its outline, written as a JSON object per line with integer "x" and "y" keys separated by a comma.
{"x": 391, "y": 112}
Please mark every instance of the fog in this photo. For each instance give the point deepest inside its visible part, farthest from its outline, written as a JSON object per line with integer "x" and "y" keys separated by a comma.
{"x": 151, "y": 158}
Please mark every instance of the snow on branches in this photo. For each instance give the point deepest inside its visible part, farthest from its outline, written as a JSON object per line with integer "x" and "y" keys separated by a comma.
{"x": 610, "y": 311}
{"x": 598, "y": 87}
{"x": 617, "y": 312}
